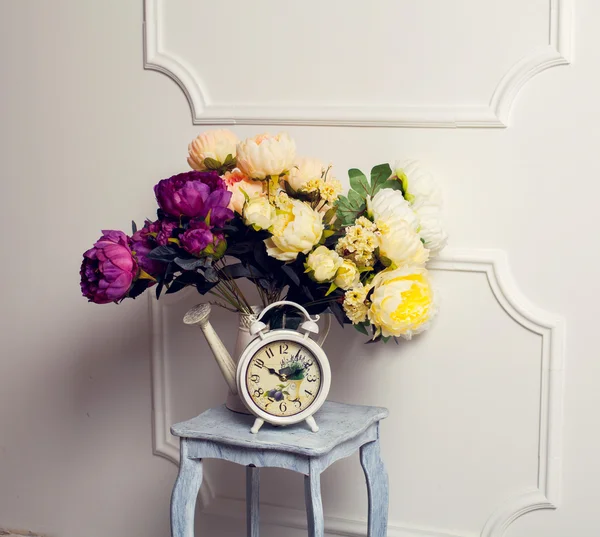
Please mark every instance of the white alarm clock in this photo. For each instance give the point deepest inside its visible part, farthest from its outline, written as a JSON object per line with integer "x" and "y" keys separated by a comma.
{"x": 283, "y": 376}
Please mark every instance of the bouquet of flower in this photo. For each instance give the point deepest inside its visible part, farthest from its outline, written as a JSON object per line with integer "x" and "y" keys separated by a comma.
{"x": 253, "y": 210}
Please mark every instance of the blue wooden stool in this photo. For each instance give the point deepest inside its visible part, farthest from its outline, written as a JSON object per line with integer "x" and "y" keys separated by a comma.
{"x": 219, "y": 433}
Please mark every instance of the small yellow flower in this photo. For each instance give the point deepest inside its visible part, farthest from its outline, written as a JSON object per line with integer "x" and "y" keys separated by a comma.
{"x": 354, "y": 303}
{"x": 358, "y": 245}
{"x": 330, "y": 190}
{"x": 312, "y": 185}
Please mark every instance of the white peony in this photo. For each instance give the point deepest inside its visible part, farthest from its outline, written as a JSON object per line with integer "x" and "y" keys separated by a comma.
{"x": 295, "y": 231}
{"x": 304, "y": 170}
{"x": 216, "y": 145}
{"x": 419, "y": 185}
{"x": 347, "y": 275}
{"x": 259, "y": 213}
{"x": 400, "y": 243}
{"x": 323, "y": 264}
{"x": 402, "y": 302}
{"x": 264, "y": 156}
{"x": 390, "y": 205}
{"x": 431, "y": 229}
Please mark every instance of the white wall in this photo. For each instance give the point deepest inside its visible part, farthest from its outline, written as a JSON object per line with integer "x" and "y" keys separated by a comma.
{"x": 86, "y": 132}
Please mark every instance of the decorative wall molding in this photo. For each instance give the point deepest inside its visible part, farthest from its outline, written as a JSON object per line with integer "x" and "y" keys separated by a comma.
{"x": 544, "y": 494}
{"x": 164, "y": 444}
{"x": 557, "y": 52}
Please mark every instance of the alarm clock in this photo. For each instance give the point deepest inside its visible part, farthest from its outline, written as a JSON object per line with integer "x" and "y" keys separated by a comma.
{"x": 283, "y": 376}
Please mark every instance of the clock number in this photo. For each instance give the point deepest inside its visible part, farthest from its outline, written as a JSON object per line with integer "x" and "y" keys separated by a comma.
{"x": 309, "y": 364}
{"x": 259, "y": 363}
{"x": 297, "y": 402}
{"x": 282, "y": 406}
{"x": 259, "y": 392}
{"x": 311, "y": 378}
{"x": 255, "y": 378}
{"x": 307, "y": 392}
{"x": 283, "y": 348}
{"x": 269, "y": 352}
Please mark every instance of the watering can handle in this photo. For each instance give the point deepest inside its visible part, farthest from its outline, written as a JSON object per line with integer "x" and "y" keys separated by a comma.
{"x": 325, "y": 332}
{"x": 327, "y": 322}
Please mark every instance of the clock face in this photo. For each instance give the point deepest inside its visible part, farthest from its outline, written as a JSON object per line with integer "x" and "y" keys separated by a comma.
{"x": 283, "y": 378}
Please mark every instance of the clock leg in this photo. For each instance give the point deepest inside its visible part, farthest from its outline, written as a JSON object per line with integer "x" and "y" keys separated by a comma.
{"x": 312, "y": 424}
{"x": 258, "y": 423}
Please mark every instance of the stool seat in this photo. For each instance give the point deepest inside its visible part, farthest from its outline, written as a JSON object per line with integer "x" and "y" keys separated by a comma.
{"x": 220, "y": 433}
{"x": 338, "y": 423}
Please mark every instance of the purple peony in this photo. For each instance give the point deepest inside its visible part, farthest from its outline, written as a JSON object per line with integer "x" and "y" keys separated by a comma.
{"x": 194, "y": 194}
{"x": 108, "y": 269}
{"x": 196, "y": 238}
{"x": 144, "y": 240}
{"x": 164, "y": 231}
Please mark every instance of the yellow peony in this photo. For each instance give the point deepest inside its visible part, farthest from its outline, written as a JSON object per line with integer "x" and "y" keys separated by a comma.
{"x": 265, "y": 156}
{"x": 400, "y": 243}
{"x": 216, "y": 145}
{"x": 295, "y": 230}
{"x": 402, "y": 302}
{"x": 323, "y": 264}
{"x": 259, "y": 213}
{"x": 347, "y": 275}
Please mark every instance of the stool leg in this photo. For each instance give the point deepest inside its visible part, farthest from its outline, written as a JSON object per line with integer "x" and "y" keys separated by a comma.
{"x": 252, "y": 501}
{"x": 314, "y": 505}
{"x": 377, "y": 487}
{"x": 185, "y": 492}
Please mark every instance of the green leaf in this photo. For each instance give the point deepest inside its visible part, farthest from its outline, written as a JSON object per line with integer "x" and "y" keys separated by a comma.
{"x": 362, "y": 328}
{"x": 212, "y": 164}
{"x": 380, "y": 175}
{"x": 329, "y": 215}
{"x": 347, "y": 211}
{"x": 355, "y": 197}
{"x": 331, "y": 289}
{"x": 133, "y": 227}
{"x": 359, "y": 183}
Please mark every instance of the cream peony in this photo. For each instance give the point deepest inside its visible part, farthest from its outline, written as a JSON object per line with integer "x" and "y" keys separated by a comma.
{"x": 402, "y": 302}
{"x": 431, "y": 229}
{"x": 303, "y": 170}
{"x": 259, "y": 213}
{"x": 294, "y": 231}
{"x": 264, "y": 155}
{"x": 419, "y": 185}
{"x": 390, "y": 205}
{"x": 347, "y": 275}
{"x": 216, "y": 145}
{"x": 238, "y": 183}
{"x": 400, "y": 243}
{"x": 323, "y": 264}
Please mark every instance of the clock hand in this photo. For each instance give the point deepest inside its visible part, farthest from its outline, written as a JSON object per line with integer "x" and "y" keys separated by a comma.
{"x": 273, "y": 372}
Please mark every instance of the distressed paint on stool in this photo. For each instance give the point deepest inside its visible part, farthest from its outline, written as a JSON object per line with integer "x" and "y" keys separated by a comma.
{"x": 221, "y": 434}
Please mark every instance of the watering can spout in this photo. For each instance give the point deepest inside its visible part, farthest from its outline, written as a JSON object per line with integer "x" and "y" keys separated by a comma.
{"x": 199, "y": 316}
